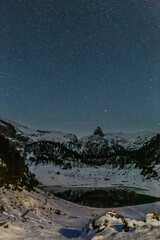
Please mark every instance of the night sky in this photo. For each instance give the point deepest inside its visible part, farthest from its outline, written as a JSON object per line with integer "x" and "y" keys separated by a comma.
{"x": 73, "y": 65}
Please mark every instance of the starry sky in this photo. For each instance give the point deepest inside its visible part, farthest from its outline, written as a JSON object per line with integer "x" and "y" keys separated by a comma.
{"x": 73, "y": 65}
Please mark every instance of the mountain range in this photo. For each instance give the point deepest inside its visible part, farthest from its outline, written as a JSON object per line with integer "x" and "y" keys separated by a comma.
{"x": 67, "y": 150}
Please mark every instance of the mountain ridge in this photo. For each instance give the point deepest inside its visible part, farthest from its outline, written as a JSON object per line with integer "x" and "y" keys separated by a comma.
{"x": 60, "y": 136}
{"x": 67, "y": 150}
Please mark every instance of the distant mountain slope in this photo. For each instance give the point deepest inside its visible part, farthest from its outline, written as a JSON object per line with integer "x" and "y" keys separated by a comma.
{"x": 35, "y": 135}
{"x": 127, "y": 141}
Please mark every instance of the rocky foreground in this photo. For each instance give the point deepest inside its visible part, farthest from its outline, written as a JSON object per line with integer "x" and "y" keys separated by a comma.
{"x": 36, "y": 215}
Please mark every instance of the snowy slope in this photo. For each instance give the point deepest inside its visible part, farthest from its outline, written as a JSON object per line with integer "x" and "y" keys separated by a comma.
{"x": 130, "y": 140}
{"x": 38, "y": 135}
{"x": 127, "y": 141}
{"x": 39, "y": 216}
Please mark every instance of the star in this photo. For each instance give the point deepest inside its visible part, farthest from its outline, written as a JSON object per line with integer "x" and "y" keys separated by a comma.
{"x": 85, "y": 61}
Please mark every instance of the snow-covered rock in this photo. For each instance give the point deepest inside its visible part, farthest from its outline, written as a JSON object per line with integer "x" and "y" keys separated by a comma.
{"x": 112, "y": 225}
{"x": 153, "y": 218}
{"x": 99, "y": 224}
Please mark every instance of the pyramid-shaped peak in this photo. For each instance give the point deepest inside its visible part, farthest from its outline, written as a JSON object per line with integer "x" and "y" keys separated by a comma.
{"x": 98, "y": 131}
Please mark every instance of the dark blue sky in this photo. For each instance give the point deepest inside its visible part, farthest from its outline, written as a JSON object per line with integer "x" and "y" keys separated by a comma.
{"x": 76, "y": 64}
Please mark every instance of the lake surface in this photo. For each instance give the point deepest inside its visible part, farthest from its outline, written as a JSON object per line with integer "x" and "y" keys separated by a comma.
{"x": 102, "y": 197}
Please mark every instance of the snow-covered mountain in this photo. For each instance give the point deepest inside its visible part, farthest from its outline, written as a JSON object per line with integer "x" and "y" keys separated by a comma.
{"x": 36, "y": 143}
{"x": 67, "y": 150}
{"x": 130, "y": 140}
{"x": 94, "y": 142}
{"x": 127, "y": 141}
{"x": 36, "y": 135}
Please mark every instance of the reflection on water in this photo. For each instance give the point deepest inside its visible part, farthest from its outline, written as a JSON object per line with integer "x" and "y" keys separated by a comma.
{"x": 103, "y": 197}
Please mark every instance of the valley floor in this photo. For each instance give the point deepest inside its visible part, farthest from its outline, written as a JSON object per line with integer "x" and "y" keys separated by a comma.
{"x": 100, "y": 176}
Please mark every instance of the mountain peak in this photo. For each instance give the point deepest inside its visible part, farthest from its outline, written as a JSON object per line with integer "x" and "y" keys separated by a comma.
{"x": 98, "y": 131}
